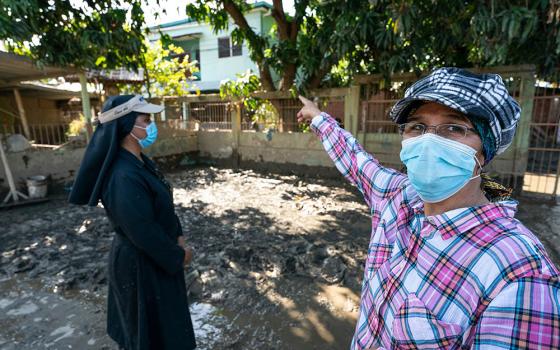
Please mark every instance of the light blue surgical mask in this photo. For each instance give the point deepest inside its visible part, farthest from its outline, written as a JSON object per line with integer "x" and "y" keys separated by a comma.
{"x": 151, "y": 135}
{"x": 438, "y": 167}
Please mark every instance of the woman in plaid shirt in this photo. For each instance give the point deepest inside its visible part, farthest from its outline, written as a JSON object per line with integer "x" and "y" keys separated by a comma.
{"x": 448, "y": 265}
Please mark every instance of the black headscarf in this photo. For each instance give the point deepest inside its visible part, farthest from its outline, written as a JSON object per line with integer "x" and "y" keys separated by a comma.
{"x": 100, "y": 154}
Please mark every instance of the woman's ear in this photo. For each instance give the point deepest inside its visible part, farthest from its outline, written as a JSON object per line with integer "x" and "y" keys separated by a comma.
{"x": 481, "y": 159}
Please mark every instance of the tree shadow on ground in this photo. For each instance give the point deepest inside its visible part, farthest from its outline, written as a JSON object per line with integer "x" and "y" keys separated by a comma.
{"x": 297, "y": 289}
{"x": 281, "y": 283}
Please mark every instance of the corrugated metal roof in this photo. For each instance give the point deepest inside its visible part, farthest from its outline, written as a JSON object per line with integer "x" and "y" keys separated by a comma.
{"x": 115, "y": 75}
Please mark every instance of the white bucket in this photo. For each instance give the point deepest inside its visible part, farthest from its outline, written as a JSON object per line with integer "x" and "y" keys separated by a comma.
{"x": 37, "y": 186}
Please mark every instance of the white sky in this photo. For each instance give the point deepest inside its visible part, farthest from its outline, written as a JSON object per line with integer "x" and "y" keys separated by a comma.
{"x": 176, "y": 11}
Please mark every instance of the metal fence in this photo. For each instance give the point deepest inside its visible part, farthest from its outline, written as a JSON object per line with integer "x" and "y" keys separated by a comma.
{"x": 278, "y": 112}
{"x": 45, "y": 134}
{"x": 543, "y": 169}
{"x": 287, "y": 109}
{"x": 189, "y": 114}
{"x": 212, "y": 115}
{"x": 378, "y": 96}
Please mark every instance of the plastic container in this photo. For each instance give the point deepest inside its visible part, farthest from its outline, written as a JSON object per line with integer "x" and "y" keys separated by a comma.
{"x": 37, "y": 186}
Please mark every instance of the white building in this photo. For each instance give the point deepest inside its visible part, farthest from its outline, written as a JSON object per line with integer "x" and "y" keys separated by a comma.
{"x": 217, "y": 57}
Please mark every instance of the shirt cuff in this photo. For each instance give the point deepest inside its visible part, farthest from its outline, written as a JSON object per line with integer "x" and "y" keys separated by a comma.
{"x": 320, "y": 123}
{"x": 317, "y": 119}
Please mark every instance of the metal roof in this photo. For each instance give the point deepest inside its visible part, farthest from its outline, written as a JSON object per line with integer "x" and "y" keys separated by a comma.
{"x": 256, "y": 5}
{"x": 40, "y": 91}
{"x": 115, "y": 75}
{"x": 15, "y": 68}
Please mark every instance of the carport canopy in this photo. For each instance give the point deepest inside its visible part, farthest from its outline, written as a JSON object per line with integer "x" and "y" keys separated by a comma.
{"x": 15, "y": 69}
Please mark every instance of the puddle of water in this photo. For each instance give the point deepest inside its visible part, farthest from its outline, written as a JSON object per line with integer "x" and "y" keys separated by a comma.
{"x": 32, "y": 318}
{"x": 300, "y": 315}
{"x": 208, "y": 323}
{"x": 4, "y": 303}
{"x": 64, "y": 332}
{"x": 28, "y": 308}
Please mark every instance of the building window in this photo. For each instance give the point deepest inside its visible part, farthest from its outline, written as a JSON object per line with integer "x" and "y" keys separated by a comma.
{"x": 227, "y": 48}
{"x": 223, "y": 47}
{"x": 236, "y": 50}
{"x": 197, "y": 56}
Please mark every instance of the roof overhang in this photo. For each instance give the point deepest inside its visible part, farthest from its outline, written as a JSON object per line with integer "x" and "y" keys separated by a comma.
{"x": 15, "y": 68}
{"x": 28, "y": 89}
{"x": 187, "y": 36}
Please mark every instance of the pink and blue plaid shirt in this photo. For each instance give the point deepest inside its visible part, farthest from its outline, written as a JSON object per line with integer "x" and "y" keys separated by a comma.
{"x": 470, "y": 278}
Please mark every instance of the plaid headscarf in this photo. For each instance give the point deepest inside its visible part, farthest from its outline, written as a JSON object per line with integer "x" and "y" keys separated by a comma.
{"x": 483, "y": 98}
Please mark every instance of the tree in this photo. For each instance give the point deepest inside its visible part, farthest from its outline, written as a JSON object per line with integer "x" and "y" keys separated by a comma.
{"x": 242, "y": 91}
{"x": 326, "y": 42}
{"x": 88, "y": 34}
{"x": 422, "y": 34}
{"x": 281, "y": 51}
{"x": 166, "y": 71}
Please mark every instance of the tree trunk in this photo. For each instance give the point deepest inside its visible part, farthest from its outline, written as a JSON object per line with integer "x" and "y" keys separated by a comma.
{"x": 254, "y": 42}
{"x": 288, "y": 77}
{"x": 315, "y": 80}
{"x": 266, "y": 77}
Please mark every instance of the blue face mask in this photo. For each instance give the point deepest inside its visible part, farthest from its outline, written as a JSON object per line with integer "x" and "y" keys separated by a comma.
{"x": 437, "y": 167}
{"x": 151, "y": 135}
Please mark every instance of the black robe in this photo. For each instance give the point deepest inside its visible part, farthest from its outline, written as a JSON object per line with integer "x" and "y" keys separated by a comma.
{"x": 147, "y": 301}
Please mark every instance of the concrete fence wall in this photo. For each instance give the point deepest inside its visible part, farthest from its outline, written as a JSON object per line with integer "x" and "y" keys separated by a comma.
{"x": 277, "y": 150}
{"x": 59, "y": 164}
{"x": 62, "y": 163}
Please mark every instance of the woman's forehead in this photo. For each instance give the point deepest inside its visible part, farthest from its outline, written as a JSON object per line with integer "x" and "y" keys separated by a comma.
{"x": 434, "y": 112}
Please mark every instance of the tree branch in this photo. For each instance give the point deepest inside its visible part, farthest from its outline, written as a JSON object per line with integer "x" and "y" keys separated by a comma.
{"x": 256, "y": 42}
{"x": 281, "y": 21}
{"x": 298, "y": 19}
{"x": 315, "y": 80}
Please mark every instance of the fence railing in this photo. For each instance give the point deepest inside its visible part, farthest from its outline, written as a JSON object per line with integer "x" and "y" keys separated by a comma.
{"x": 379, "y": 134}
{"x": 210, "y": 112}
{"x": 543, "y": 160}
{"x": 46, "y": 134}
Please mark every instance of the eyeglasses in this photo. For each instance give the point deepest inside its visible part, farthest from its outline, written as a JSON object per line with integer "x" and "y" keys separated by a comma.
{"x": 448, "y": 131}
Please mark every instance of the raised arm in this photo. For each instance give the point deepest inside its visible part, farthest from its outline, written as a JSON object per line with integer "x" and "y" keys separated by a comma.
{"x": 359, "y": 167}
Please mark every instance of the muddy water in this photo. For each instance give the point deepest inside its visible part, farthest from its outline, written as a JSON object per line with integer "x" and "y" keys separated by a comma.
{"x": 32, "y": 317}
{"x": 278, "y": 263}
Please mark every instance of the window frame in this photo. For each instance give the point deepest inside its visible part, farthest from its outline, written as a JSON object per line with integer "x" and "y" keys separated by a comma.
{"x": 221, "y": 47}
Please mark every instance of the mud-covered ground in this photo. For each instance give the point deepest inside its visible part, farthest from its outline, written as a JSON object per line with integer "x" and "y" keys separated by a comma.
{"x": 278, "y": 263}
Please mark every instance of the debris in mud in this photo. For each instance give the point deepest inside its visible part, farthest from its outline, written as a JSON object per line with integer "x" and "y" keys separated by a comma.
{"x": 261, "y": 243}
{"x": 248, "y": 232}
{"x": 333, "y": 270}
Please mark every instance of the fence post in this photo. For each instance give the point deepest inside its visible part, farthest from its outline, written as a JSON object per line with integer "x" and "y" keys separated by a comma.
{"x": 236, "y": 131}
{"x": 523, "y": 132}
{"x": 86, "y": 106}
{"x": 163, "y": 115}
{"x": 352, "y": 109}
{"x": 184, "y": 110}
{"x": 22, "y": 115}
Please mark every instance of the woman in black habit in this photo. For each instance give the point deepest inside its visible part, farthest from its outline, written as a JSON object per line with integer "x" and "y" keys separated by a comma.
{"x": 147, "y": 301}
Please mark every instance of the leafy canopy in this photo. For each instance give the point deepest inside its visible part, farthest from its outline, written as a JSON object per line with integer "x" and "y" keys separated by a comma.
{"x": 166, "y": 71}
{"x": 82, "y": 34}
{"x": 327, "y": 42}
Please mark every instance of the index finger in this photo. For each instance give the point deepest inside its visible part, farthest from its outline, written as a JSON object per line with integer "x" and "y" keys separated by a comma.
{"x": 304, "y": 100}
